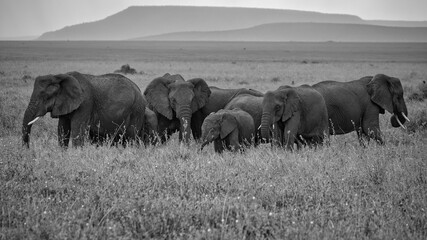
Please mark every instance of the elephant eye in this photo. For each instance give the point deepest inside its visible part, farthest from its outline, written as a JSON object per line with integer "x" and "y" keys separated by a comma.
{"x": 277, "y": 108}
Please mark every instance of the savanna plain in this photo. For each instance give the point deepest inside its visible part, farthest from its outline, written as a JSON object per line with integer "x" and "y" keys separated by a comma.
{"x": 174, "y": 191}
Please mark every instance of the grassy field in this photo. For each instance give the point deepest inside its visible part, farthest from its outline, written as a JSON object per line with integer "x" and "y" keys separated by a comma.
{"x": 341, "y": 191}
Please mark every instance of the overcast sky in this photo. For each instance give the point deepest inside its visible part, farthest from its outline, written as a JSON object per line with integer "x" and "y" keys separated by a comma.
{"x": 34, "y": 17}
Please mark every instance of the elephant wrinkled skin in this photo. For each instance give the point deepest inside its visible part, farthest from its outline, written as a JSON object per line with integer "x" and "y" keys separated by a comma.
{"x": 299, "y": 113}
{"x": 228, "y": 129}
{"x": 356, "y": 105}
{"x": 109, "y": 105}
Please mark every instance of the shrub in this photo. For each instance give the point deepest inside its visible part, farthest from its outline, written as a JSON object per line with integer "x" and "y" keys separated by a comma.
{"x": 126, "y": 69}
{"x": 416, "y": 97}
{"x": 418, "y": 121}
{"x": 423, "y": 88}
{"x": 275, "y": 79}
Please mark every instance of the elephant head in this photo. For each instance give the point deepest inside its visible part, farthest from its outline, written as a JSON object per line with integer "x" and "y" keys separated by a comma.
{"x": 278, "y": 106}
{"x": 387, "y": 92}
{"x": 173, "y": 97}
{"x": 218, "y": 126}
{"x": 58, "y": 94}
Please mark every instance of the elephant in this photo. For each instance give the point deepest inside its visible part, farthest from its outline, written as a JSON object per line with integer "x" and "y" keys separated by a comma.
{"x": 174, "y": 101}
{"x": 218, "y": 99}
{"x": 299, "y": 113}
{"x": 105, "y": 106}
{"x": 228, "y": 129}
{"x": 356, "y": 105}
{"x": 251, "y": 104}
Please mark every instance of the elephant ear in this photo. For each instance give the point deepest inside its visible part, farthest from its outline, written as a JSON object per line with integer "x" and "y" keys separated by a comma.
{"x": 291, "y": 104}
{"x": 379, "y": 90}
{"x": 201, "y": 93}
{"x": 70, "y": 95}
{"x": 157, "y": 93}
{"x": 228, "y": 124}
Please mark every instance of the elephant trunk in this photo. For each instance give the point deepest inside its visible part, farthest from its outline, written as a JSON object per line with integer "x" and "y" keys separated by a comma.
{"x": 184, "y": 115}
{"x": 30, "y": 116}
{"x": 400, "y": 115}
{"x": 208, "y": 137}
{"x": 204, "y": 134}
{"x": 265, "y": 125}
{"x": 204, "y": 144}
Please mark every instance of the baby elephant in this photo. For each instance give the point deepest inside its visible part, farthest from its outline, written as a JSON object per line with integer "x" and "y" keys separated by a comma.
{"x": 228, "y": 129}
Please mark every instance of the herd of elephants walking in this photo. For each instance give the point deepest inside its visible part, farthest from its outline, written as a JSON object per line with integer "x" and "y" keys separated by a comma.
{"x": 111, "y": 106}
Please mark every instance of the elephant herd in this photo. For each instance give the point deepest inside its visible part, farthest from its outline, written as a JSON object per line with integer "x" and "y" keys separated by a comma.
{"x": 111, "y": 106}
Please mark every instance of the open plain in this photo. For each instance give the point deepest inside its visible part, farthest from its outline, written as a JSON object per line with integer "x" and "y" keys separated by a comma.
{"x": 174, "y": 191}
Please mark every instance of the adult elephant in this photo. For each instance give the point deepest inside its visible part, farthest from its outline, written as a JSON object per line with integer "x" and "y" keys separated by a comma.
{"x": 251, "y": 104}
{"x": 108, "y": 105}
{"x": 228, "y": 129}
{"x": 174, "y": 101}
{"x": 299, "y": 113}
{"x": 218, "y": 100}
{"x": 356, "y": 105}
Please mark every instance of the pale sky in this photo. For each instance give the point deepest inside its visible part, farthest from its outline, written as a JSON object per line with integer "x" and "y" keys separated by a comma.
{"x": 34, "y": 17}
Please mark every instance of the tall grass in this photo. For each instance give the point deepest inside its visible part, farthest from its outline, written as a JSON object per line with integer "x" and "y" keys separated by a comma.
{"x": 175, "y": 191}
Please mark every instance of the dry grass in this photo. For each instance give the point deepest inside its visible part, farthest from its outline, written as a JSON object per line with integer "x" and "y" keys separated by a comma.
{"x": 174, "y": 191}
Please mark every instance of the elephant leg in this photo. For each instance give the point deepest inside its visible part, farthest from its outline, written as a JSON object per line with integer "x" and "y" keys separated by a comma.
{"x": 315, "y": 141}
{"x": 257, "y": 138}
{"x": 372, "y": 131}
{"x": 165, "y": 135}
{"x": 78, "y": 131}
{"x": 233, "y": 142}
{"x": 371, "y": 124}
{"x": 64, "y": 130}
{"x": 166, "y": 127}
{"x": 290, "y": 132}
{"x": 219, "y": 145}
{"x": 277, "y": 134}
{"x": 135, "y": 130}
{"x": 196, "y": 124}
{"x": 95, "y": 138}
{"x": 363, "y": 138}
{"x": 300, "y": 142}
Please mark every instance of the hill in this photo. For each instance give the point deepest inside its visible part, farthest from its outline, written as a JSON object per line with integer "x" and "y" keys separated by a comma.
{"x": 397, "y": 23}
{"x": 143, "y": 21}
{"x": 311, "y": 32}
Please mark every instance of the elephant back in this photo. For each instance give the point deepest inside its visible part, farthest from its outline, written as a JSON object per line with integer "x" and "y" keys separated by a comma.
{"x": 220, "y": 97}
{"x": 250, "y": 104}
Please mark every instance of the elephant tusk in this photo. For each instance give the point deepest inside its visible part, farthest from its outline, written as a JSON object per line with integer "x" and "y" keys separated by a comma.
{"x": 35, "y": 119}
{"x": 398, "y": 121}
{"x": 259, "y": 127}
{"x": 407, "y": 119}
